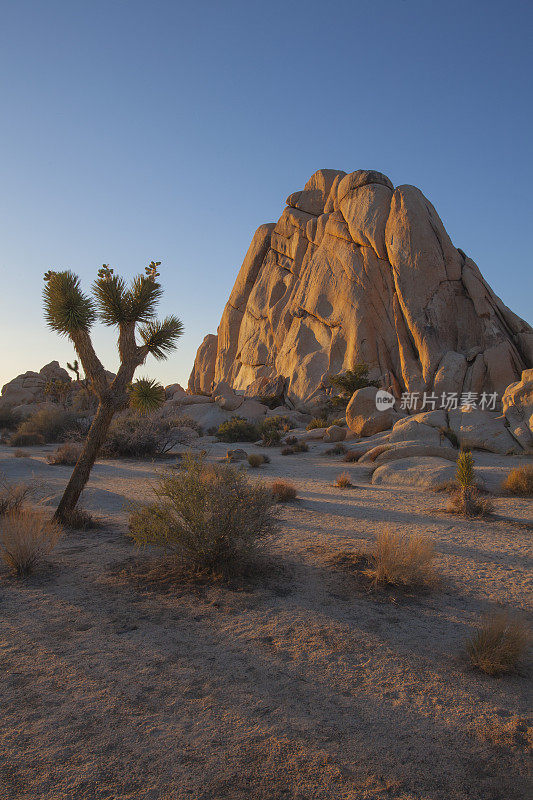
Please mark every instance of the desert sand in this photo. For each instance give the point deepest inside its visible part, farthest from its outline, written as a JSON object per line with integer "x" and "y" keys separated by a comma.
{"x": 297, "y": 683}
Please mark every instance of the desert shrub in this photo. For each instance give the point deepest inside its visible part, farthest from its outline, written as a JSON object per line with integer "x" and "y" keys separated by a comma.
{"x": 25, "y": 538}
{"x": 351, "y": 456}
{"x": 67, "y": 454}
{"x": 287, "y": 451}
{"x": 26, "y": 440}
{"x": 290, "y": 440}
{"x": 50, "y": 423}
{"x": 210, "y": 518}
{"x": 451, "y": 436}
{"x": 283, "y": 491}
{"x": 402, "y": 560}
{"x": 497, "y": 644}
{"x": 79, "y": 519}
{"x": 317, "y": 422}
{"x": 12, "y": 496}
{"x": 301, "y": 447}
{"x": 348, "y": 382}
{"x": 84, "y": 400}
{"x": 343, "y": 481}
{"x": 270, "y": 435}
{"x": 9, "y": 419}
{"x": 237, "y": 429}
{"x": 336, "y": 450}
{"x": 58, "y": 390}
{"x": 186, "y": 422}
{"x": 466, "y": 499}
{"x": 131, "y": 435}
{"x": 519, "y": 481}
{"x": 256, "y": 460}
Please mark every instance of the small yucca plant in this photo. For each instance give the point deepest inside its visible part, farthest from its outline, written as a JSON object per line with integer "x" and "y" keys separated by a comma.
{"x": 465, "y": 470}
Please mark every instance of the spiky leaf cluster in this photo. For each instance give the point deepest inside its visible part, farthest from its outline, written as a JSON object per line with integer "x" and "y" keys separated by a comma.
{"x": 67, "y": 309}
{"x": 146, "y": 396}
{"x": 160, "y": 337}
{"x": 465, "y": 470}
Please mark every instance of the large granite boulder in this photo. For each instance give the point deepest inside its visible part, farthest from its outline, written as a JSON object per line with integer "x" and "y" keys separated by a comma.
{"x": 518, "y": 409}
{"x": 363, "y": 416}
{"x": 354, "y": 271}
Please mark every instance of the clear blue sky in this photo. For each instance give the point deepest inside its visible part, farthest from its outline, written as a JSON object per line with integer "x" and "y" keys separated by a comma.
{"x": 155, "y": 129}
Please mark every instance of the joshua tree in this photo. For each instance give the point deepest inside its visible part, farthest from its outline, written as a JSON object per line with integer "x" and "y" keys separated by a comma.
{"x": 71, "y": 313}
{"x": 75, "y": 368}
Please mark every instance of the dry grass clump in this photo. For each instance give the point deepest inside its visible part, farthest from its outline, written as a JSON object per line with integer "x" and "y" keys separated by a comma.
{"x": 343, "y": 481}
{"x": 26, "y": 537}
{"x": 210, "y": 518}
{"x": 498, "y": 644}
{"x": 12, "y": 496}
{"x": 405, "y": 561}
{"x": 256, "y": 460}
{"x": 299, "y": 447}
{"x": 67, "y": 454}
{"x": 283, "y": 491}
{"x": 519, "y": 481}
{"x": 132, "y": 435}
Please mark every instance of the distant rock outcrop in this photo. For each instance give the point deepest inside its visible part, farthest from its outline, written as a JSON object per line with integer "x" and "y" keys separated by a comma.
{"x": 358, "y": 271}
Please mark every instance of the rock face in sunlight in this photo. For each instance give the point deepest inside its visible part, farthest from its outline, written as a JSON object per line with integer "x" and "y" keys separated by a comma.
{"x": 358, "y": 271}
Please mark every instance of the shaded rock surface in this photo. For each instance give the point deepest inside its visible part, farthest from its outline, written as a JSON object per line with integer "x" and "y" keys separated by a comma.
{"x": 358, "y": 271}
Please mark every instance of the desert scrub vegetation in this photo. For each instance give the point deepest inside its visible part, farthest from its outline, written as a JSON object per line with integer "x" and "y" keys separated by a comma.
{"x": 405, "y": 561}
{"x": 209, "y": 518}
{"x": 132, "y": 435}
{"x": 351, "y": 456}
{"x": 67, "y": 454}
{"x": 271, "y": 429}
{"x": 348, "y": 382}
{"x": 317, "y": 422}
{"x": 519, "y": 481}
{"x": 45, "y": 425}
{"x": 343, "y": 481}
{"x": 466, "y": 499}
{"x": 297, "y": 447}
{"x": 257, "y": 460}
{"x": 336, "y": 450}
{"x": 13, "y": 496}
{"x": 26, "y": 537}
{"x": 26, "y": 440}
{"x": 283, "y": 491}
{"x": 498, "y": 644}
{"x": 237, "y": 429}
{"x": 9, "y": 419}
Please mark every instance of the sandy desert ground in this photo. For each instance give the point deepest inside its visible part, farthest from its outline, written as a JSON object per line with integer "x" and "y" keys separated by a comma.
{"x": 299, "y": 683}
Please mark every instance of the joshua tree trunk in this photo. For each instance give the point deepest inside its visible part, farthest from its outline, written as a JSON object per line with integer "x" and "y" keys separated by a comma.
{"x": 80, "y": 474}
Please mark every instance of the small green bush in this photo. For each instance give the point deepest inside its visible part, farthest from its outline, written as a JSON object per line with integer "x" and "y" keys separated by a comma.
{"x": 451, "y": 436}
{"x": 351, "y": 380}
{"x": 238, "y": 429}
{"x": 210, "y": 518}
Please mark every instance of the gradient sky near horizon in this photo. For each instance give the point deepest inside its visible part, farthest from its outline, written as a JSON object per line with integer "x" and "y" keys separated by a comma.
{"x": 163, "y": 130}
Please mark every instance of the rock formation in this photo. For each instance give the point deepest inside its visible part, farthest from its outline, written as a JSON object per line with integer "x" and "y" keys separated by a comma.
{"x": 358, "y": 271}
